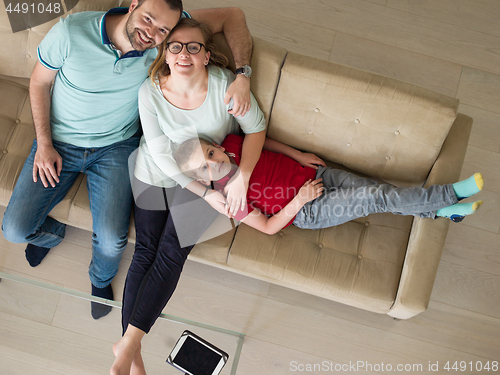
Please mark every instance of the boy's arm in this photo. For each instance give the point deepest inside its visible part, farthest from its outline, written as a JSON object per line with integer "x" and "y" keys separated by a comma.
{"x": 231, "y": 21}
{"x": 256, "y": 219}
{"x": 303, "y": 158}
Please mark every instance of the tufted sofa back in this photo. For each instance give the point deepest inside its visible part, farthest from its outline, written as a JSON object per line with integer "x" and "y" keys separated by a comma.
{"x": 18, "y": 50}
{"x": 368, "y": 123}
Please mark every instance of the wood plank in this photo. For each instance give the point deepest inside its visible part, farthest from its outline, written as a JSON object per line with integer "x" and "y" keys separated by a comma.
{"x": 52, "y": 348}
{"x": 485, "y": 130}
{"x": 488, "y": 216}
{"x": 480, "y": 89}
{"x": 14, "y": 367}
{"x": 260, "y": 357}
{"x": 222, "y": 277}
{"x": 421, "y": 70}
{"x": 441, "y": 324}
{"x": 486, "y": 162}
{"x": 472, "y": 248}
{"x": 479, "y": 15}
{"x": 292, "y": 34}
{"x": 66, "y": 264}
{"x": 27, "y": 301}
{"x": 301, "y": 329}
{"x": 393, "y": 27}
{"x": 468, "y": 289}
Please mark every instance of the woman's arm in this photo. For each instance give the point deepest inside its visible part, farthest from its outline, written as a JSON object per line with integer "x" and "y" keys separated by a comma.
{"x": 236, "y": 189}
{"x": 303, "y": 158}
{"x": 256, "y": 219}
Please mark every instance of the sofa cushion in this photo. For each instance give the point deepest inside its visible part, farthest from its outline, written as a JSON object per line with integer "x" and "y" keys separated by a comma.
{"x": 18, "y": 50}
{"x": 357, "y": 263}
{"x": 16, "y": 138}
{"x": 369, "y": 123}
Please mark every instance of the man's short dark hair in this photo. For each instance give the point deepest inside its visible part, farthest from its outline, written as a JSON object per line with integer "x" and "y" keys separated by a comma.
{"x": 173, "y": 4}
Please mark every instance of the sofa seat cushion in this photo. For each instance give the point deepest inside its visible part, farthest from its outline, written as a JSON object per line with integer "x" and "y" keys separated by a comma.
{"x": 369, "y": 123}
{"x": 357, "y": 263}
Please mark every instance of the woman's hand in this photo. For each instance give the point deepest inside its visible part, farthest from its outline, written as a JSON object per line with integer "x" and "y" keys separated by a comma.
{"x": 310, "y": 191}
{"x": 309, "y": 160}
{"x": 217, "y": 201}
{"x": 236, "y": 194}
{"x": 239, "y": 90}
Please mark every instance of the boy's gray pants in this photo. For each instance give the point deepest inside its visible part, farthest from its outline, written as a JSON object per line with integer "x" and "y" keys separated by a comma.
{"x": 347, "y": 197}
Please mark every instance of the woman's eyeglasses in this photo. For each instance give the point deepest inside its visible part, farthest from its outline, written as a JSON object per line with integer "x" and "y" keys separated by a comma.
{"x": 192, "y": 47}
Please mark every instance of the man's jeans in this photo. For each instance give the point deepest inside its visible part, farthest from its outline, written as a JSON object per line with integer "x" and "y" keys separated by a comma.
{"x": 110, "y": 196}
{"x": 347, "y": 197}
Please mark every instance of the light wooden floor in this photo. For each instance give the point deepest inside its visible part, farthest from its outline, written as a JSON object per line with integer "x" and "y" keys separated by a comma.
{"x": 450, "y": 46}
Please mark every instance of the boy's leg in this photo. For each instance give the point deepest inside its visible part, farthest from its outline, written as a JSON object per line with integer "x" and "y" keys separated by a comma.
{"x": 337, "y": 178}
{"x": 344, "y": 204}
{"x": 110, "y": 196}
{"x": 26, "y": 219}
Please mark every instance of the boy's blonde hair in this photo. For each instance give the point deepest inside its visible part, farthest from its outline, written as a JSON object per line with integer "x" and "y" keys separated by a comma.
{"x": 184, "y": 153}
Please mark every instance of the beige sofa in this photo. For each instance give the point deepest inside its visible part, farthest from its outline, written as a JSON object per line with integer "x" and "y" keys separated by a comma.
{"x": 373, "y": 125}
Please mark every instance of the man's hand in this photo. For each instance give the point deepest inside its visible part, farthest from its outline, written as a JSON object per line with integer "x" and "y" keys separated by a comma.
{"x": 47, "y": 164}
{"x": 236, "y": 194}
{"x": 309, "y": 160}
{"x": 310, "y": 191}
{"x": 239, "y": 90}
{"x": 217, "y": 201}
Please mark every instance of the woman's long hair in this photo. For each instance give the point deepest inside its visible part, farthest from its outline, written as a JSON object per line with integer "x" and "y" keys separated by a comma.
{"x": 159, "y": 68}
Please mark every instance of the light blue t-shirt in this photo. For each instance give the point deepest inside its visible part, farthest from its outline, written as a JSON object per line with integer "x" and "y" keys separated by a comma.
{"x": 95, "y": 92}
{"x": 166, "y": 127}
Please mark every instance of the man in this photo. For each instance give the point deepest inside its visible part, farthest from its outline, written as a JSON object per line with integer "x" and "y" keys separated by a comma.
{"x": 88, "y": 122}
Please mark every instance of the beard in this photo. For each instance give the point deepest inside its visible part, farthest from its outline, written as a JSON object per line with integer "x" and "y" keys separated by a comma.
{"x": 133, "y": 36}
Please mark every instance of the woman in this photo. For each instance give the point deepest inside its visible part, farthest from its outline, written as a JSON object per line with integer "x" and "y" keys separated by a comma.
{"x": 184, "y": 97}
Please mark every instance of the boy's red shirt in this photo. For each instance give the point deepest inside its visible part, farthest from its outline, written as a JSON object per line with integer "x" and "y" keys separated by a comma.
{"x": 275, "y": 181}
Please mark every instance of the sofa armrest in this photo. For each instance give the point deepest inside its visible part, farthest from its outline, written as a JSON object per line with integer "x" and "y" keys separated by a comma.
{"x": 427, "y": 236}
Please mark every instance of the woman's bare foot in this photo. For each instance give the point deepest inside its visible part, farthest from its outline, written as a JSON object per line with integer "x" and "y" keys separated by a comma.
{"x": 138, "y": 364}
{"x": 128, "y": 352}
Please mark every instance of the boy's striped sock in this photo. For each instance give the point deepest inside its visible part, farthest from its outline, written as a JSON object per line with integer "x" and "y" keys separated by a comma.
{"x": 458, "y": 211}
{"x": 467, "y": 188}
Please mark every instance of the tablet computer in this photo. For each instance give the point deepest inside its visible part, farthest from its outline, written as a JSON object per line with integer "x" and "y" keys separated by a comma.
{"x": 196, "y": 356}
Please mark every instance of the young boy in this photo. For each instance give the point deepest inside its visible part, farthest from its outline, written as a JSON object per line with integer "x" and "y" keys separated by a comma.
{"x": 283, "y": 192}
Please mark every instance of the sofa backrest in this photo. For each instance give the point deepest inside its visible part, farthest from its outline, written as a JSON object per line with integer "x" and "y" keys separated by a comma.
{"x": 18, "y": 50}
{"x": 371, "y": 124}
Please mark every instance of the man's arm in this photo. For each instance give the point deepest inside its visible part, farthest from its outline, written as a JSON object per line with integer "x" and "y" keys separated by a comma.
{"x": 271, "y": 225}
{"x": 47, "y": 163}
{"x": 231, "y": 21}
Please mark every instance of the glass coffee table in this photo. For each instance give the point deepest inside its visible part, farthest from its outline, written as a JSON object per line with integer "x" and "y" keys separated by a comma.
{"x": 46, "y": 329}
